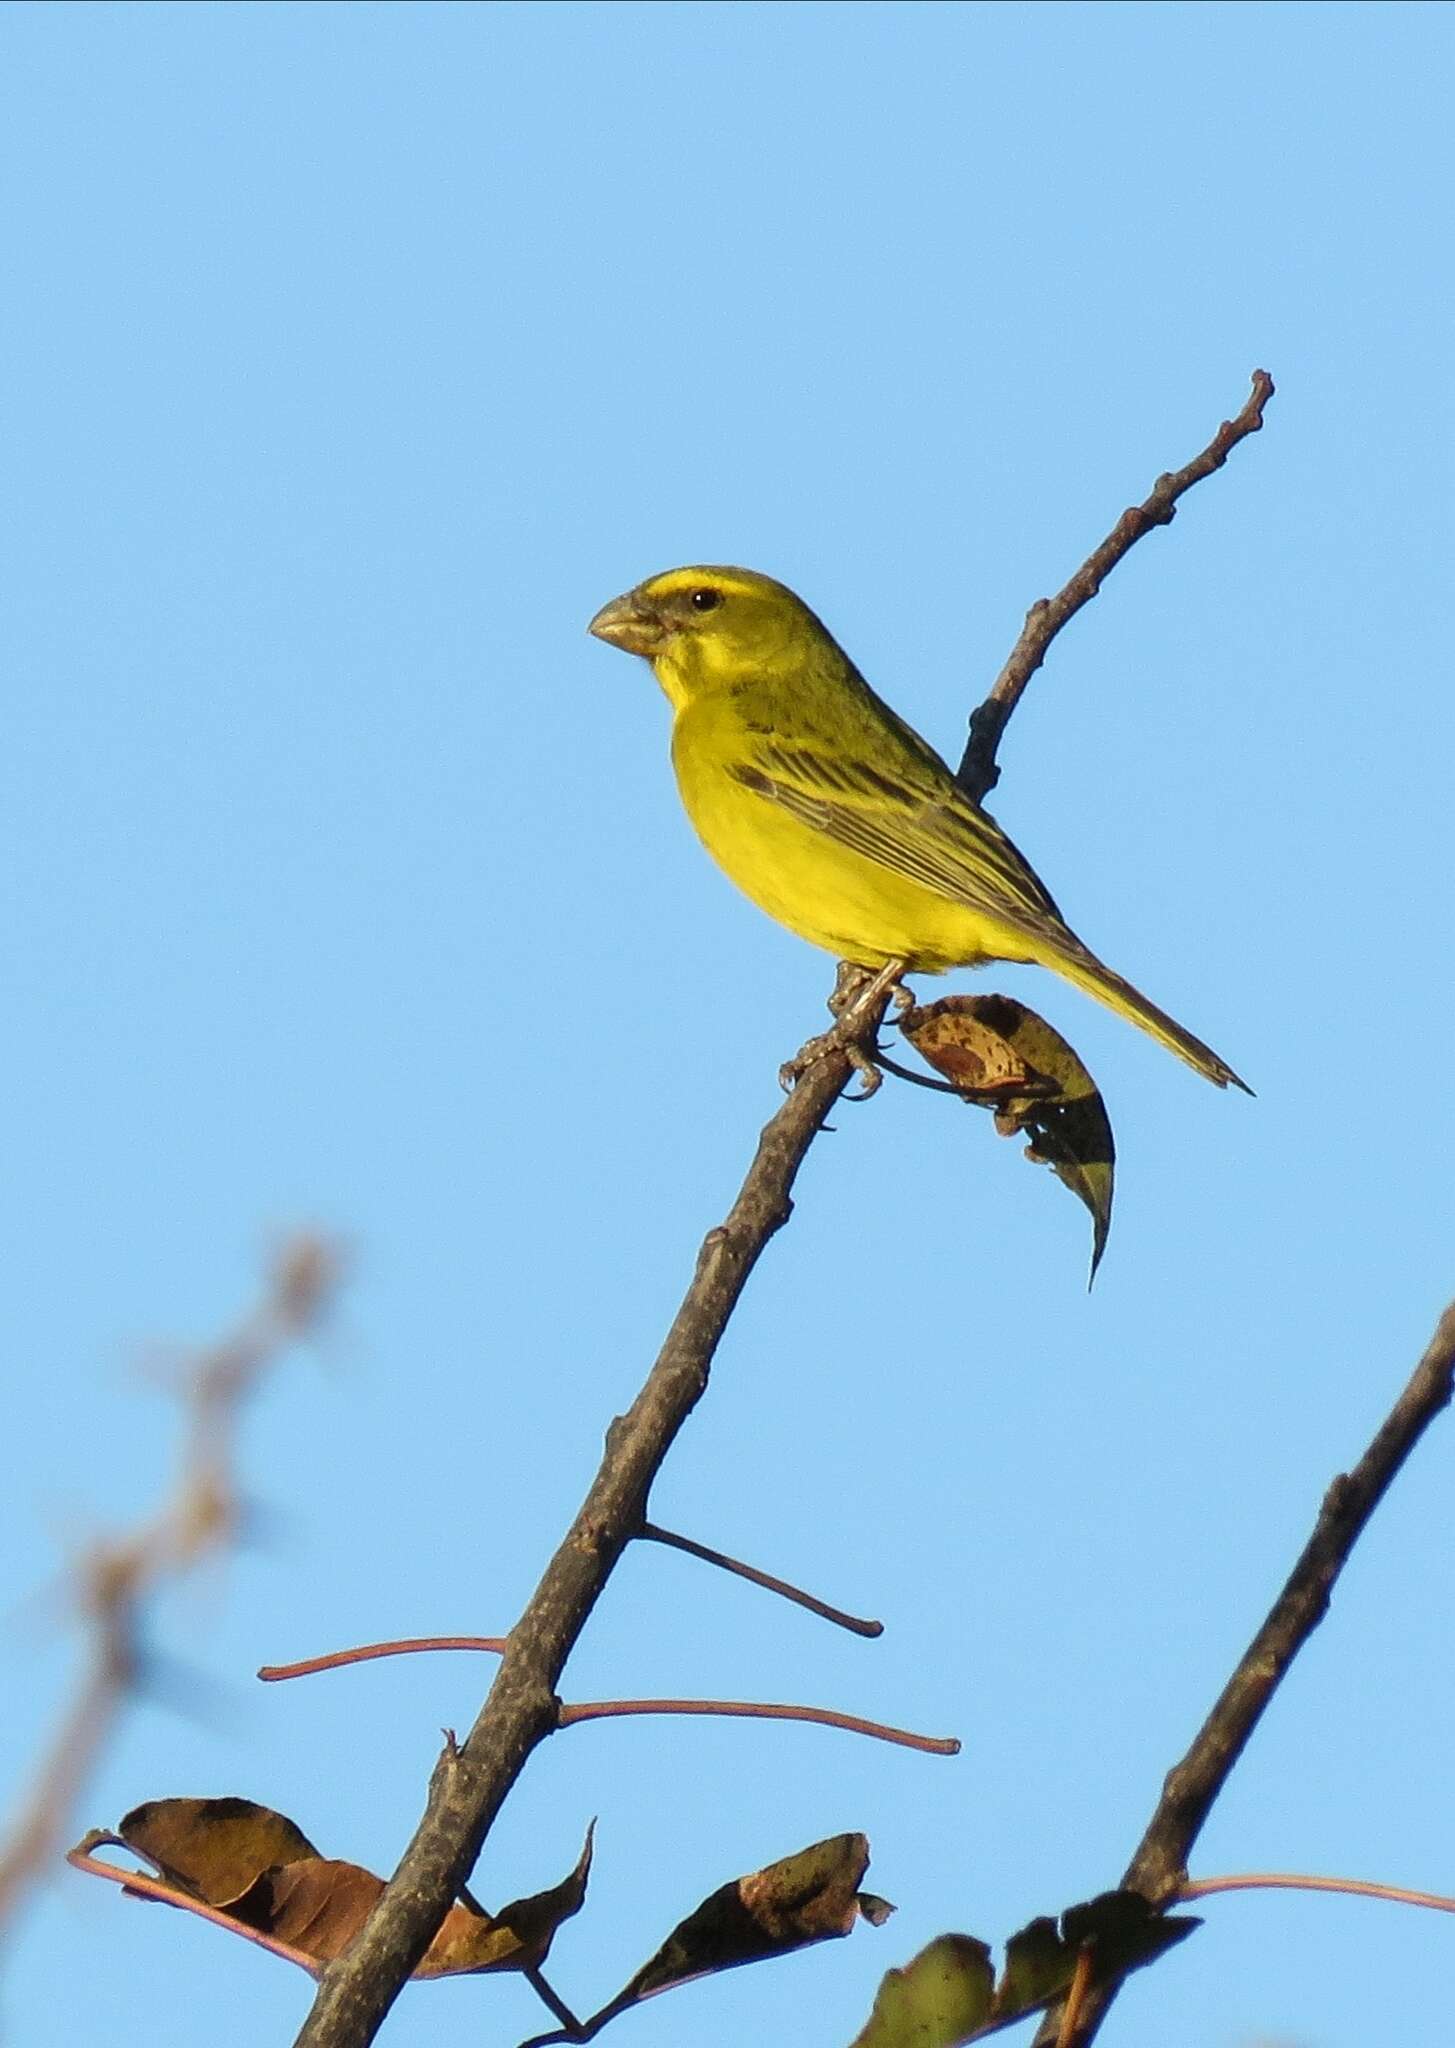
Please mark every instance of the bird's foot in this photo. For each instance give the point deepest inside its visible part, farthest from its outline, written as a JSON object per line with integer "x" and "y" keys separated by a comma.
{"x": 857, "y": 991}
{"x": 820, "y": 1047}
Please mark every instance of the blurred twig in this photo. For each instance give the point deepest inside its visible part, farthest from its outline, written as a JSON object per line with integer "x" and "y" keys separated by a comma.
{"x": 1158, "y": 1870}
{"x": 202, "y": 1516}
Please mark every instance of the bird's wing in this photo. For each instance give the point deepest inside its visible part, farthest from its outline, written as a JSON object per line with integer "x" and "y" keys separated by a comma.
{"x": 916, "y": 823}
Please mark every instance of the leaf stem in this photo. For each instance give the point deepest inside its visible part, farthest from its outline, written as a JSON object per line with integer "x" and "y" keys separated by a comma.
{"x": 364, "y": 1653}
{"x": 854, "y": 1623}
{"x": 1296, "y": 1881}
{"x": 756, "y": 1710}
{"x": 151, "y": 1887}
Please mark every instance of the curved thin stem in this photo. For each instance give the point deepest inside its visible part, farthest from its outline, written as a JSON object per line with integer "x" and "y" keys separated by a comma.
{"x": 365, "y": 1653}
{"x": 154, "y": 1888}
{"x": 856, "y": 1624}
{"x": 756, "y": 1710}
{"x": 1297, "y": 1881}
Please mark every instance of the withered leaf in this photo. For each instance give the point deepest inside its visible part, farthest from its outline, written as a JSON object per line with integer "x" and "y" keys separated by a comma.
{"x": 1005, "y": 1058}
{"x": 262, "y": 1871}
{"x": 813, "y": 1896}
{"x": 948, "y": 1995}
{"x": 213, "y": 1848}
{"x": 317, "y": 1905}
{"x": 518, "y": 1937}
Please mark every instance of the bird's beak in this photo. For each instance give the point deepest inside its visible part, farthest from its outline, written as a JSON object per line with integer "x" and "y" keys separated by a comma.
{"x": 632, "y": 623}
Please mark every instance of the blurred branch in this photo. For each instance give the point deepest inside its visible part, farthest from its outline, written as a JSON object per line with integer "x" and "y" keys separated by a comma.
{"x": 202, "y": 1517}
{"x": 1158, "y": 1870}
{"x": 470, "y": 1783}
{"x": 978, "y": 773}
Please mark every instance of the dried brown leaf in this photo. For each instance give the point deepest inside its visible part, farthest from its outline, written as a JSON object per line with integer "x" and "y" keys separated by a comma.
{"x": 1005, "y": 1058}
{"x": 257, "y": 1868}
{"x": 813, "y": 1896}
{"x": 213, "y": 1848}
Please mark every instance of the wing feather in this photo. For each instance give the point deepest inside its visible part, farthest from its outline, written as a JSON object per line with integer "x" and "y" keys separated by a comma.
{"x": 921, "y": 825}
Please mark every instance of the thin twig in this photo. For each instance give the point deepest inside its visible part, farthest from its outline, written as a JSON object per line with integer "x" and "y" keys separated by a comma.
{"x": 364, "y": 1653}
{"x": 469, "y": 1783}
{"x": 553, "y": 2002}
{"x": 755, "y": 1710}
{"x": 1158, "y": 1869}
{"x": 1297, "y": 1881}
{"x": 604, "y": 1710}
{"x": 853, "y": 1622}
{"x": 202, "y": 1517}
{"x": 978, "y": 773}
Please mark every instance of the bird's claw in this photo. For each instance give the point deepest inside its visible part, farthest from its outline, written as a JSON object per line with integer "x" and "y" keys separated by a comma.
{"x": 868, "y": 1074}
{"x": 819, "y": 1047}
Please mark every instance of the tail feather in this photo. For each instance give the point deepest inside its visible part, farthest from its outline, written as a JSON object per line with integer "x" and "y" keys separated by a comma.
{"x": 1081, "y": 966}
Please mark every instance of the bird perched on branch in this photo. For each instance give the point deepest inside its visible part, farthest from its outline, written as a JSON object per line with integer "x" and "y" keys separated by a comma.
{"x": 831, "y": 812}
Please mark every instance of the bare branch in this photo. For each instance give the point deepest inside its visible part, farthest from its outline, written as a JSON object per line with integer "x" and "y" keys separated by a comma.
{"x": 1158, "y": 1870}
{"x": 978, "y": 773}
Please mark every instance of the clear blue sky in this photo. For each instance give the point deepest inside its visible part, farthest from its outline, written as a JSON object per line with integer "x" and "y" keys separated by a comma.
{"x": 353, "y": 357}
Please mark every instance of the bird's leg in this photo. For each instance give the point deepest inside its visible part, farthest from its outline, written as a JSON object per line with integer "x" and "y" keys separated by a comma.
{"x": 849, "y": 979}
{"x": 856, "y": 993}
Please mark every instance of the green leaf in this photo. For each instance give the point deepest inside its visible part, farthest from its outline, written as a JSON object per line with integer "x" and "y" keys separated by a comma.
{"x": 940, "y": 1997}
{"x": 948, "y": 1994}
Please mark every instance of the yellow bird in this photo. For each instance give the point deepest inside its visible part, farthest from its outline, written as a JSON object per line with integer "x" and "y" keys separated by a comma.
{"x": 833, "y": 814}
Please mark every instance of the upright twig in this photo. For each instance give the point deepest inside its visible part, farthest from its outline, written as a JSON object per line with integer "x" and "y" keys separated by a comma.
{"x": 1159, "y": 1868}
{"x": 469, "y": 1783}
{"x": 978, "y": 772}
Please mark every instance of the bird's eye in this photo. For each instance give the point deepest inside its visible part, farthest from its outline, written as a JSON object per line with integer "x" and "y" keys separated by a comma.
{"x": 705, "y": 600}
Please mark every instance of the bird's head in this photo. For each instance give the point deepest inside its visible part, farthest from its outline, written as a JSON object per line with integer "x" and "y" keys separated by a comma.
{"x": 701, "y": 627}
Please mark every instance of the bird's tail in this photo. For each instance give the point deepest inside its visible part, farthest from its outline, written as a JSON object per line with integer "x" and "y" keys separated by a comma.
{"x": 1081, "y": 966}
